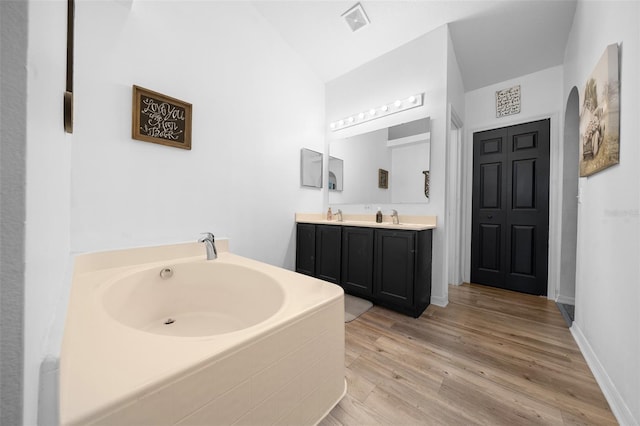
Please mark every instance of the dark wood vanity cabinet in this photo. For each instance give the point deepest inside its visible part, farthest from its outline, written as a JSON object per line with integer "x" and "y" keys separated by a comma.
{"x": 390, "y": 267}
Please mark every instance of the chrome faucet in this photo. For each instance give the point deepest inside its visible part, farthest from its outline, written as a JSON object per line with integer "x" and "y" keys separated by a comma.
{"x": 338, "y": 215}
{"x": 210, "y": 243}
{"x": 394, "y": 216}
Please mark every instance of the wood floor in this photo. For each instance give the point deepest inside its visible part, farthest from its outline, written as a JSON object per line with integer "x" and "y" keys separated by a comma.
{"x": 490, "y": 357}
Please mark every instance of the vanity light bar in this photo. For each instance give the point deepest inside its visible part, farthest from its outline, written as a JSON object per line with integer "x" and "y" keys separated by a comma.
{"x": 412, "y": 101}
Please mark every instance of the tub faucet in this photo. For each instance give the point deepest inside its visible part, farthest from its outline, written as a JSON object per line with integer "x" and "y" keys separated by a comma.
{"x": 210, "y": 243}
{"x": 394, "y": 216}
{"x": 338, "y": 215}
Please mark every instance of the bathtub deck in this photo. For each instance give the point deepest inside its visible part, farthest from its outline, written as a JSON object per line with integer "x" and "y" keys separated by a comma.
{"x": 288, "y": 368}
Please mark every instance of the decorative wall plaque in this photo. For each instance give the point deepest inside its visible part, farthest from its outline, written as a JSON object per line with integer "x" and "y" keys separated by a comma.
{"x": 161, "y": 119}
{"x": 383, "y": 179}
{"x": 508, "y": 101}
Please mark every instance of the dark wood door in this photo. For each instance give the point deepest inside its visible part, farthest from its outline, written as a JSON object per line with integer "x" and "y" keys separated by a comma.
{"x": 357, "y": 261}
{"x": 306, "y": 249}
{"x": 328, "y": 248}
{"x": 510, "y": 216}
{"x": 394, "y": 266}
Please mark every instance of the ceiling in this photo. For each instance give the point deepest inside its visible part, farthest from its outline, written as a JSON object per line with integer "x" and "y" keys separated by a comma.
{"x": 494, "y": 40}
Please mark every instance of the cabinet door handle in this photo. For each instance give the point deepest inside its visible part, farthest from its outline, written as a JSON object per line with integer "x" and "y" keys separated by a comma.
{"x": 489, "y": 216}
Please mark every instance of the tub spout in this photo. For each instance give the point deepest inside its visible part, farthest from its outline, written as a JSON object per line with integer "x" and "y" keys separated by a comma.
{"x": 210, "y": 244}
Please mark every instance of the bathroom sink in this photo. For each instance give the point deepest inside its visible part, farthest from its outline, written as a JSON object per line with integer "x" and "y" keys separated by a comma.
{"x": 193, "y": 299}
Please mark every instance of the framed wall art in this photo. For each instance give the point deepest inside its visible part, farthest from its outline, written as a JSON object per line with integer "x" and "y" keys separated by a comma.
{"x": 160, "y": 119}
{"x": 600, "y": 116}
{"x": 383, "y": 179}
{"x": 508, "y": 101}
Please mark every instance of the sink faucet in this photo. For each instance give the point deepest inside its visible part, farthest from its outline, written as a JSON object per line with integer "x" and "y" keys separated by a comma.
{"x": 394, "y": 216}
{"x": 338, "y": 215}
{"x": 210, "y": 244}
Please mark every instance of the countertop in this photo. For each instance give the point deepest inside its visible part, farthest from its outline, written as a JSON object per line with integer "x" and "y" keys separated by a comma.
{"x": 407, "y": 222}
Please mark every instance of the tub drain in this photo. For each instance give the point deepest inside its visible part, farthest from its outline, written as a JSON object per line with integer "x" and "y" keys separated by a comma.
{"x": 169, "y": 321}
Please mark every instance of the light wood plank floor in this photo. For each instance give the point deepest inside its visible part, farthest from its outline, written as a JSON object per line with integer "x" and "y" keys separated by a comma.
{"x": 490, "y": 357}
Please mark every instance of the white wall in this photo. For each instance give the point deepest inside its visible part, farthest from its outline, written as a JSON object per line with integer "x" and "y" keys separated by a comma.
{"x": 418, "y": 66}
{"x": 48, "y": 208}
{"x": 454, "y": 208}
{"x": 541, "y": 94}
{"x": 255, "y": 104}
{"x": 455, "y": 84}
{"x": 607, "y": 323}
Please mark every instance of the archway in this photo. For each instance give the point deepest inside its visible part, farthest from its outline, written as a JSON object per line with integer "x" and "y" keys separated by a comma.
{"x": 567, "y": 285}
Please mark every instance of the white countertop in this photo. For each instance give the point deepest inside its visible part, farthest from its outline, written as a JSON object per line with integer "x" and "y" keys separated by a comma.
{"x": 410, "y": 223}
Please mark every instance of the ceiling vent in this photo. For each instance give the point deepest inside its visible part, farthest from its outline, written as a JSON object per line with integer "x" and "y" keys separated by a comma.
{"x": 356, "y": 17}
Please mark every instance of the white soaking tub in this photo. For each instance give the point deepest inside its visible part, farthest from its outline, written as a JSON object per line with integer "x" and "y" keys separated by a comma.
{"x": 161, "y": 336}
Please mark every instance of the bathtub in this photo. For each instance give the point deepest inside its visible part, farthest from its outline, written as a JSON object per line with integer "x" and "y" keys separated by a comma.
{"x": 161, "y": 336}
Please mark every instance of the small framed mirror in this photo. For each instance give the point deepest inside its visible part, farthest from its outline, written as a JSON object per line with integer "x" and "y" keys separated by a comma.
{"x": 310, "y": 168}
{"x": 336, "y": 174}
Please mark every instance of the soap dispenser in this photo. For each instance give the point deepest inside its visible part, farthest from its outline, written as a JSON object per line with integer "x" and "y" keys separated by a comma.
{"x": 379, "y": 216}
{"x": 329, "y": 214}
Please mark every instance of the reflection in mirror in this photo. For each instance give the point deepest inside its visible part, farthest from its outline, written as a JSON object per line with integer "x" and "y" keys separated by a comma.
{"x": 310, "y": 168}
{"x": 403, "y": 150}
{"x": 336, "y": 174}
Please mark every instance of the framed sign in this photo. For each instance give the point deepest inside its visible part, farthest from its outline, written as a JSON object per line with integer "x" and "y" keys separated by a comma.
{"x": 383, "y": 179}
{"x": 160, "y": 119}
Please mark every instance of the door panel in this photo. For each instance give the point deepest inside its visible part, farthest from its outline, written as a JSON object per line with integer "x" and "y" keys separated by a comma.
{"x": 395, "y": 266}
{"x": 490, "y": 247}
{"x": 523, "y": 247}
{"x": 524, "y": 183}
{"x": 490, "y": 185}
{"x": 306, "y": 249}
{"x": 357, "y": 261}
{"x": 328, "y": 246}
{"x": 509, "y": 247}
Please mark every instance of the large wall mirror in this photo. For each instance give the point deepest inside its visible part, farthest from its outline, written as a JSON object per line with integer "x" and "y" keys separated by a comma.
{"x": 403, "y": 151}
{"x": 310, "y": 168}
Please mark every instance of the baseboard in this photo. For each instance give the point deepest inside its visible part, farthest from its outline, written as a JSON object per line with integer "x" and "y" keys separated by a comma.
{"x": 619, "y": 408}
{"x": 440, "y": 301}
{"x": 566, "y": 300}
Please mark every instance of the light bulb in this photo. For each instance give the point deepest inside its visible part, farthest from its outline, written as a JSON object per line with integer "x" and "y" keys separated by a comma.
{"x": 361, "y": 115}
{"x": 341, "y": 122}
{"x": 350, "y": 120}
{"x": 397, "y": 103}
{"x": 372, "y": 111}
{"x": 412, "y": 99}
{"x": 384, "y": 108}
{"x": 333, "y": 125}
